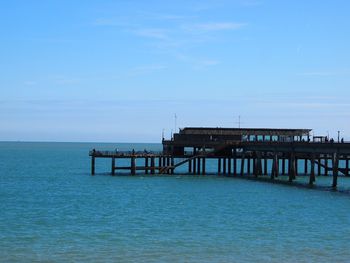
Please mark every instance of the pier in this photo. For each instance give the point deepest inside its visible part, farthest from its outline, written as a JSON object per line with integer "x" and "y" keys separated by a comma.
{"x": 259, "y": 153}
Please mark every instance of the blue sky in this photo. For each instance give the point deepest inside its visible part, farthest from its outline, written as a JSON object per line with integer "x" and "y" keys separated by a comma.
{"x": 119, "y": 70}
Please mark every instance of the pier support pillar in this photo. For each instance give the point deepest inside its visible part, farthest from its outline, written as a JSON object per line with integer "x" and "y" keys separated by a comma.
{"x": 248, "y": 165}
{"x": 168, "y": 164}
{"x": 146, "y": 165}
{"x": 347, "y": 166}
{"x": 235, "y": 162}
{"x": 224, "y": 166}
{"x": 159, "y": 164}
{"x": 255, "y": 167}
{"x": 283, "y": 166}
{"x": 335, "y": 161}
{"x": 319, "y": 167}
{"x": 257, "y": 164}
{"x": 312, "y": 172}
{"x": 198, "y": 165}
{"x": 194, "y": 166}
{"x": 189, "y": 166}
{"x": 172, "y": 165}
{"x": 265, "y": 165}
{"x": 203, "y": 165}
{"x": 260, "y": 171}
{"x": 242, "y": 164}
{"x": 235, "y": 166}
{"x": 93, "y": 165}
{"x": 219, "y": 165}
{"x": 153, "y": 165}
{"x": 305, "y": 166}
{"x": 326, "y": 165}
{"x": 292, "y": 167}
{"x": 275, "y": 166}
{"x": 133, "y": 166}
{"x": 113, "y": 166}
{"x": 229, "y": 171}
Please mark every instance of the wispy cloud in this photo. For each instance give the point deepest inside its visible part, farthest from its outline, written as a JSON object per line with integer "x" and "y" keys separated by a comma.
{"x": 152, "y": 33}
{"x": 251, "y": 3}
{"x": 30, "y": 83}
{"x": 318, "y": 74}
{"x": 173, "y": 34}
{"x": 165, "y": 16}
{"x": 326, "y": 73}
{"x": 145, "y": 69}
{"x": 197, "y": 63}
{"x": 216, "y": 26}
{"x": 143, "y": 17}
{"x": 106, "y": 22}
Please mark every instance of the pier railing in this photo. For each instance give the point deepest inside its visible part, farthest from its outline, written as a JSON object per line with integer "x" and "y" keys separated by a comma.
{"x": 98, "y": 153}
{"x": 124, "y": 153}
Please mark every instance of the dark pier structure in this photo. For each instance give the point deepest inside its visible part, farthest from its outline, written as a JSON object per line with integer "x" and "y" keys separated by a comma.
{"x": 244, "y": 152}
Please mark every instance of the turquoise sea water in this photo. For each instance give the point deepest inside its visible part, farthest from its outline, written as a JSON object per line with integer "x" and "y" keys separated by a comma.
{"x": 52, "y": 210}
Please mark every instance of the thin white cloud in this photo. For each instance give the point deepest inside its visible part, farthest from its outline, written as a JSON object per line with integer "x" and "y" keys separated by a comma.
{"x": 165, "y": 17}
{"x": 327, "y": 73}
{"x": 105, "y": 22}
{"x": 152, "y": 33}
{"x": 216, "y": 26}
{"x": 210, "y": 62}
{"x": 197, "y": 63}
{"x": 175, "y": 35}
{"x": 319, "y": 74}
{"x": 174, "y": 17}
{"x": 251, "y": 3}
{"x": 30, "y": 83}
{"x": 145, "y": 69}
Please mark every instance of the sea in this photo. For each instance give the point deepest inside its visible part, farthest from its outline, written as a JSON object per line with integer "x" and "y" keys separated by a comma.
{"x": 53, "y": 210}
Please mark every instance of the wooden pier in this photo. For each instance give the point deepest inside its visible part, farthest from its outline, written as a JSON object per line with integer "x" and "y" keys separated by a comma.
{"x": 266, "y": 153}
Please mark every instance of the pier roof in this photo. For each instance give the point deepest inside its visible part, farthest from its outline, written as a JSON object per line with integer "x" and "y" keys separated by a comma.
{"x": 243, "y": 131}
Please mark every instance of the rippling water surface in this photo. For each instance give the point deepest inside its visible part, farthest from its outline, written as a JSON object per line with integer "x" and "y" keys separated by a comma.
{"x": 53, "y": 210}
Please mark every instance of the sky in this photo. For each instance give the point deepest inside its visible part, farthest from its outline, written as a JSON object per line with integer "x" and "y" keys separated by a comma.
{"x": 119, "y": 71}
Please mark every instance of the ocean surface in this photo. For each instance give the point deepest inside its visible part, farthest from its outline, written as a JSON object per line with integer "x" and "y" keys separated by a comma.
{"x": 53, "y": 210}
